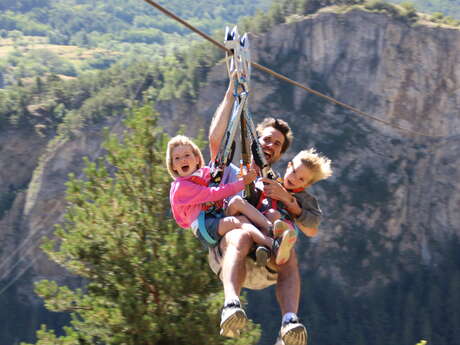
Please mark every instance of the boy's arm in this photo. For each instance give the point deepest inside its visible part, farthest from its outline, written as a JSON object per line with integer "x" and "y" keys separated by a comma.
{"x": 276, "y": 191}
{"x": 220, "y": 121}
{"x": 310, "y": 217}
{"x": 303, "y": 207}
{"x": 307, "y": 215}
{"x": 310, "y": 232}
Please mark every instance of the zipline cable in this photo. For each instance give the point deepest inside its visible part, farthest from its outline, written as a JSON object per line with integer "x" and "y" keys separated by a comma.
{"x": 293, "y": 82}
{"x": 19, "y": 275}
{"x": 30, "y": 242}
{"x": 30, "y": 246}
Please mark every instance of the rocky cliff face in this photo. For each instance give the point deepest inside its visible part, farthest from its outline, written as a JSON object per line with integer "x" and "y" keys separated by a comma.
{"x": 394, "y": 197}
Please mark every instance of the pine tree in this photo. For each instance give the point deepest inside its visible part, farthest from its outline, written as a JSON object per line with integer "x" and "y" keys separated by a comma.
{"x": 147, "y": 282}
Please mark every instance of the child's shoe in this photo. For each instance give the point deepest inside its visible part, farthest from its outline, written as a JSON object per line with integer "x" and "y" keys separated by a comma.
{"x": 282, "y": 246}
{"x": 279, "y": 227}
{"x": 262, "y": 255}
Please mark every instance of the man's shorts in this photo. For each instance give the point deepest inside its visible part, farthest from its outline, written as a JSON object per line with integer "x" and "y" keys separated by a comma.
{"x": 208, "y": 233}
{"x": 257, "y": 277}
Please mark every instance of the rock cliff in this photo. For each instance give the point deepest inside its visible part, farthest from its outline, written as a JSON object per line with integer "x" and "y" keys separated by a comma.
{"x": 394, "y": 197}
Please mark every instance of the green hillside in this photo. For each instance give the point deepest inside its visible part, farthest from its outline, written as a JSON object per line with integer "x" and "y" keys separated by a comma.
{"x": 69, "y": 37}
{"x": 448, "y": 8}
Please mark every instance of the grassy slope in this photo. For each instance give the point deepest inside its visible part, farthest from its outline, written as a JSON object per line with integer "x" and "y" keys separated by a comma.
{"x": 127, "y": 30}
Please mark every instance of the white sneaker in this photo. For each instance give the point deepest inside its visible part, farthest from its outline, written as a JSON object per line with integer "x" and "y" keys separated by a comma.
{"x": 279, "y": 227}
{"x": 293, "y": 333}
{"x": 233, "y": 320}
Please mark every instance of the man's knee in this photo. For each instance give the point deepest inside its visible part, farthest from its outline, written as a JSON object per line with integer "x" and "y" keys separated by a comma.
{"x": 239, "y": 239}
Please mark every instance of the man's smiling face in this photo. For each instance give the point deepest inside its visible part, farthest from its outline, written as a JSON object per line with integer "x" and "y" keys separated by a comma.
{"x": 272, "y": 141}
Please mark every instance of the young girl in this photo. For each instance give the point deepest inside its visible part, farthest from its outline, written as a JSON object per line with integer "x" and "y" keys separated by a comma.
{"x": 196, "y": 205}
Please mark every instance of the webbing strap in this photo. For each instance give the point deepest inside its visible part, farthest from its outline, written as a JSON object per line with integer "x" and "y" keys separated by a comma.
{"x": 202, "y": 229}
{"x": 297, "y": 231}
{"x": 263, "y": 196}
{"x": 286, "y": 217}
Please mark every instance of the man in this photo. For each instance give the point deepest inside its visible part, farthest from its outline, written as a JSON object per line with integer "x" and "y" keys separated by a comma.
{"x": 229, "y": 259}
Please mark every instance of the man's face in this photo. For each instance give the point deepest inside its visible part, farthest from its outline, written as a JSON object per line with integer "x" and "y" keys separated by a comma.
{"x": 272, "y": 141}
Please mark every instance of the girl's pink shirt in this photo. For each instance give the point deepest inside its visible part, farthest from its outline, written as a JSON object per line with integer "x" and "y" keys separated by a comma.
{"x": 186, "y": 197}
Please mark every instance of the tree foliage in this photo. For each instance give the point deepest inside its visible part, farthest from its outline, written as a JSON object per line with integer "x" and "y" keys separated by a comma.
{"x": 69, "y": 105}
{"x": 147, "y": 281}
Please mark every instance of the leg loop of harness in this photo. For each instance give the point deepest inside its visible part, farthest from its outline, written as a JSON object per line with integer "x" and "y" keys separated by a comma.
{"x": 208, "y": 226}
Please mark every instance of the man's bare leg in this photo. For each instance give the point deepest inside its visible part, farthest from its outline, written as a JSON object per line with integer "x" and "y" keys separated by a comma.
{"x": 241, "y": 223}
{"x": 288, "y": 285}
{"x": 235, "y": 247}
{"x": 288, "y": 295}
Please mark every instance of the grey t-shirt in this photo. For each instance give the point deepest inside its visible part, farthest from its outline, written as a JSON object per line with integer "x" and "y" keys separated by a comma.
{"x": 311, "y": 213}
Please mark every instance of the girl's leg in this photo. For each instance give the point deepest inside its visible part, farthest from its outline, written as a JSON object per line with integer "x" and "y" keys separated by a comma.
{"x": 227, "y": 224}
{"x": 279, "y": 225}
{"x": 237, "y": 205}
{"x": 283, "y": 245}
{"x": 272, "y": 215}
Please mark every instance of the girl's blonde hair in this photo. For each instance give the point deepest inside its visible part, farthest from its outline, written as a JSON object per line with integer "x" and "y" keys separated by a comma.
{"x": 179, "y": 140}
{"x": 319, "y": 165}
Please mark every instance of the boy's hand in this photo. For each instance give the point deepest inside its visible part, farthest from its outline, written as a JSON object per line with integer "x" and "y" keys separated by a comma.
{"x": 249, "y": 176}
{"x": 275, "y": 190}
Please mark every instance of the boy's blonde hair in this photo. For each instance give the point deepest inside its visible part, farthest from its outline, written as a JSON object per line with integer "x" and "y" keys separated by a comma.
{"x": 179, "y": 140}
{"x": 318, "y": 164}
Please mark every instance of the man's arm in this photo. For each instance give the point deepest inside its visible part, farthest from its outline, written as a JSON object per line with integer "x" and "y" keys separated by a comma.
{"x": 220, "y": 120}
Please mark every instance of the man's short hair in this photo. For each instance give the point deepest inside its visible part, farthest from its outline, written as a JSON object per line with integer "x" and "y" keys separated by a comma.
{"x": 279, "y": 125}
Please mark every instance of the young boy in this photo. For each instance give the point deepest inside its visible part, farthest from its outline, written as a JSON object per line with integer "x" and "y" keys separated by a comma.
{"x": 293, "y": 201}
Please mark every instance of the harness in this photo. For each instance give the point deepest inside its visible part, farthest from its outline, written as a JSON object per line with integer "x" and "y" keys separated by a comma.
{"x": 213, "y": 208}
{"x": 238, "y": 59}
{"x": 210, "y": 204}
{"x": 264, "y": 203}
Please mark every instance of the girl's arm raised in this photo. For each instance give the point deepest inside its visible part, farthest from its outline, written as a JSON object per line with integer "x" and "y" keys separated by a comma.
{"x": 189, "y": 193}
